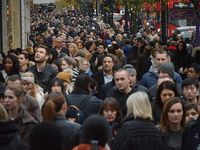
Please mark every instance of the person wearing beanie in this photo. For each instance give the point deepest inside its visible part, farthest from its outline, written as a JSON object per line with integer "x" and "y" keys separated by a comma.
{"x": 168, "y": 70}
{"x": 150, "y": 78}
{"x": 133, "y": 78}
{"x": 66, "y": 77}
{"x": 31, "y": 88}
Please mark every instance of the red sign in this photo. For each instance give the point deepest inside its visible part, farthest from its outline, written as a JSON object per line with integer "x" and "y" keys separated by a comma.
{"x": 178, "y": 14}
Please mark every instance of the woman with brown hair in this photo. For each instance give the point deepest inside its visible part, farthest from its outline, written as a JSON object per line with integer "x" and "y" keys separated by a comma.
{"x": 54, "y": 111}
{"x": 111, "y": 110}
{"x": 172, "y": 123}
{"x": 9, "y": 137}
{"x": 16, "y": 112}
{"x": 166, "y": 90}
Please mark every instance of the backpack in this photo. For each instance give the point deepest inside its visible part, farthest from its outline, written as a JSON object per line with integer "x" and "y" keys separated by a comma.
{"x": 75, "y": 113}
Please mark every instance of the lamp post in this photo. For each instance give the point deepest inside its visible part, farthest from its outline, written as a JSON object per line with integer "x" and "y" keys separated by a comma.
{"x": 97, "y": 8}
{"x": 126, "y": 27}
{"x": 164, "y": 21}
{"x": 112, "y": 11}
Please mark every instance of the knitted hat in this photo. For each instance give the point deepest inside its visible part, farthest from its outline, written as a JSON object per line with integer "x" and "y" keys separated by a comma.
{"x": 28, "y": 76}
{"x": 129, "y": 68}
{"x": 167, "y": 68}
{"x": 66, "y": 76}
{"x": 28, "y": 79}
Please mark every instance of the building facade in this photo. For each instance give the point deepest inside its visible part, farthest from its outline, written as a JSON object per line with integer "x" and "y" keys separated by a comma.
{"x": 14, "y": 24}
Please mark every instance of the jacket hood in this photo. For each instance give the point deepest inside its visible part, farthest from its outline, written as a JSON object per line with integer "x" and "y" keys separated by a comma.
{"x": 153, "y": 69}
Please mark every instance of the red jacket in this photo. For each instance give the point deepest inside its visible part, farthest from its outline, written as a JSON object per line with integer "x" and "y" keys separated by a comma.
{"x": 87, "y": 147}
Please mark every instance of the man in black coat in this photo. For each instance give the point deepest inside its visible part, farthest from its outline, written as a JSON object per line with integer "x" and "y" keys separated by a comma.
{"x": 122, "y": 90}
{"x": 82, "y": 92}
{"x": 43, "y": 72}
{"x": 106, "y": 74}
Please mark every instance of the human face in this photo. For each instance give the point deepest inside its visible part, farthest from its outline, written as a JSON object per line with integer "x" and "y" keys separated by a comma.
{"x": 59, "y": 43}
{"x": 92, "y": 34}
{"x": 191, "y": 114}
{"x": 56, "y": 88}
{"x": 190, "y": 92}
{"x": 27, "y": 86}
{"x": 132, "y": 78}
{"x": 10, "y": 100}
{"x": 163, "y": 75}
{"x": 80, "y": 46}
{"x": 85, "y": 66}
{"x": 71, "y": 49}
{"x": 175, "y": 114}
{"x": 166, "y": 94}
{"x": 22, "y": 60}
{"x": 122, "y": 80}
{"x": 161, "y": 58}
{"x": 65, "y": 65}
{"x": 107, "y": 64}
{"x": 8, "y": 64}
{"x": 100, "y": 49}
{"x": 110, "y": 114}
{"x": 191, "y": 73}
{"x": 41, "y": 55}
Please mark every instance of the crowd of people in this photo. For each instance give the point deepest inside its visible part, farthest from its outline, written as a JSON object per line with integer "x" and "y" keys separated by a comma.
{"x": 83, "y": 85}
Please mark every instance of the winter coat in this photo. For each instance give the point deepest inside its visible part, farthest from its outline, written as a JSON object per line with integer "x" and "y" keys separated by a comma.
{"x": 9, "y": 138}
{"x": 137, "y": 134}
{"x": 191, "y": 136}
{"x": 25, "y": 123}
{"x": 90, "y": 108}
{"x": 70, "y": 130}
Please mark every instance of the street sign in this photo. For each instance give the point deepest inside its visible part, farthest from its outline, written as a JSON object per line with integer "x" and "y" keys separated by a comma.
{"x": 181, "y": 14}
{"x": 183, "y": 5}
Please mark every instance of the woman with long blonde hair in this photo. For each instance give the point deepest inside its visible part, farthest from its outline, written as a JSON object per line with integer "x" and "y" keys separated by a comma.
{"x": 73, "y": 49}
{"x": 137, "y": 130}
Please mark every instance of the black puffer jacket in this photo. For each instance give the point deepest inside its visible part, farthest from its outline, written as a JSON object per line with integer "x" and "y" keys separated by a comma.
{"x": 9, "y": 139}
{"x": 137, "y": 135}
